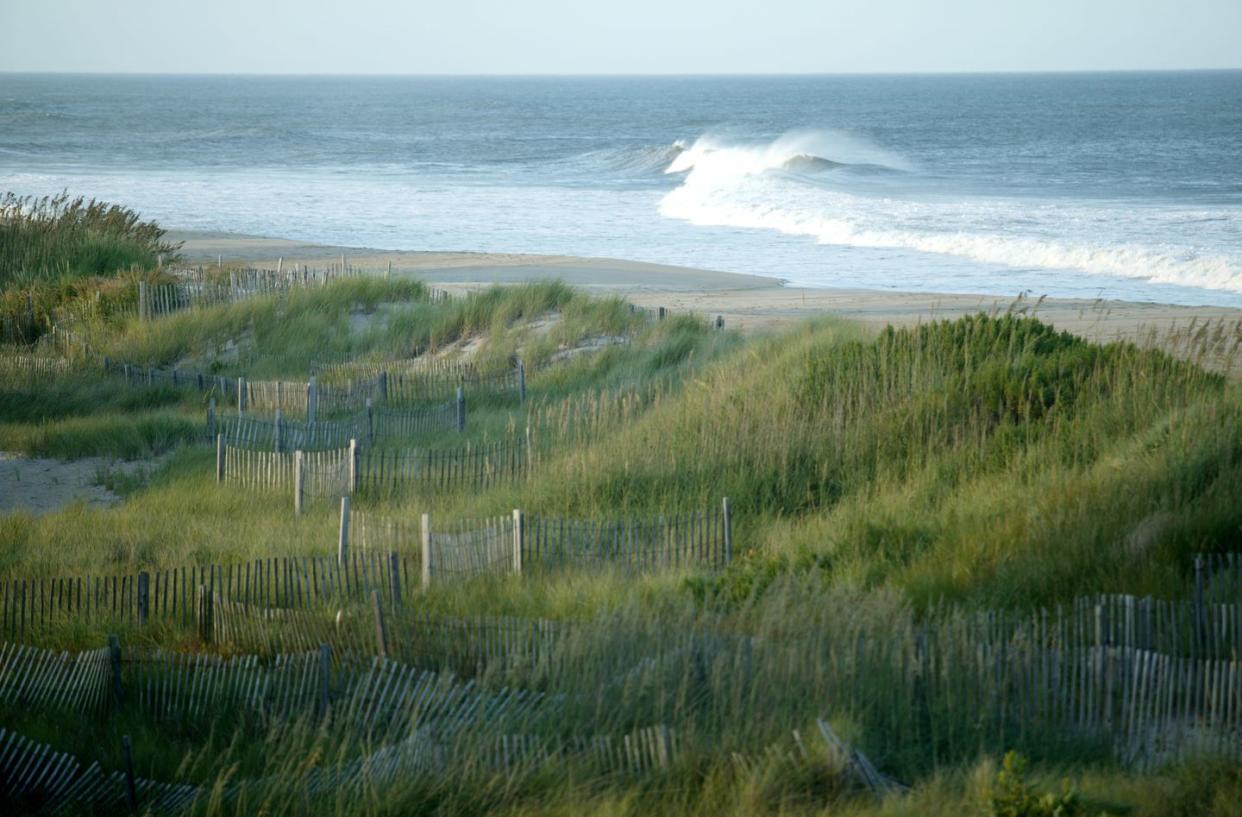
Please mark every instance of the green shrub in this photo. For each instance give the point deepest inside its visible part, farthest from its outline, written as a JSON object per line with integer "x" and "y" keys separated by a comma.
{"x": 1012, "y": 796}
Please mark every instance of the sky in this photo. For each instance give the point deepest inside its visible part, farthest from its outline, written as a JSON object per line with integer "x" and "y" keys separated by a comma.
{"x": 630, "y": 37}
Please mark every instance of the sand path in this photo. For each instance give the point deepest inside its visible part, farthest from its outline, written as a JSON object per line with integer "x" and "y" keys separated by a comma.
{"x": 40, "y": 486}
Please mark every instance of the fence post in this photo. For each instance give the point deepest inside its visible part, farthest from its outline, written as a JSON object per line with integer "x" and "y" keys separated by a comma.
{"x": 142, "y": 300}
{"x": 521, "y": 381}
{"x": 144, "y": 597}
{"x": 1200, "y": 611}
{"x": 312, "y": 401}
{"x": 530, "y": 451}
{"x": 519, "y": 534}
{"x": 342, "y": 536}
{"x": 114, "y": 654}
{"x": 131, "y": 791}
{"x": 728, "y": 531}
{"x": 426, "y": 542}
{"x": 394, "y": 577}
{"x": 383, "y": 385}
{"x": 381, "y": 639}
{"x": 211, "y": 418}
{"x": 219, "y": 458}
{"x": 241, "y": 396}
{"x": 298, "y": 482}
{"x": 370, "y": 422}
{"x": 276, "y": 430}
{"x": 353, "y": 466}
{"x": 461, "y": 410}
{"x": 660, "y": 313}
{"x": 206, "y": 612}
{"x": 720, "y": 321}
{"x": 325, "y": 678}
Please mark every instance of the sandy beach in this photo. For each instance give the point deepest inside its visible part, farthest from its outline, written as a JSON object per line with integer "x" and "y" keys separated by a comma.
{"x": 747, "y": 302}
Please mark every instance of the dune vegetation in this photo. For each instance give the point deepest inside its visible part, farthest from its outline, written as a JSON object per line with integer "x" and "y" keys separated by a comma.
{"x": 893, "y": 495}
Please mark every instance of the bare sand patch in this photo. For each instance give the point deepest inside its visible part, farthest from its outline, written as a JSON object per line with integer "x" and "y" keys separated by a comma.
{"x": 41, "y": 486}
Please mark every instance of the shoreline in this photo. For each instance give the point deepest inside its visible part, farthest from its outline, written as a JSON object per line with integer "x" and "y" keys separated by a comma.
{"x": 747, "y": 302}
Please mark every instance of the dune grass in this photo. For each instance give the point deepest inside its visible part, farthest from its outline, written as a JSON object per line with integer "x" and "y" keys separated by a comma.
{"x": 880, "y": 483}
{"x": 59, "y": 237}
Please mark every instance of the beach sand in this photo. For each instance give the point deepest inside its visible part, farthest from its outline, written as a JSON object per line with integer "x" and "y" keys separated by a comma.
{"x": 747, "y": 302}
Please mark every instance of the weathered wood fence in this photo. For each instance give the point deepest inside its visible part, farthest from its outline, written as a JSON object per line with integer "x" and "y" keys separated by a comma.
{"x": 370, "y": 425}
{"x": 387, "y": 471}
{"x": 374, "y": 555}
{"x": 32, "y": 368}
{"x": 523, "y": 542}
{"x": 41, "y": 773}
{"x": 305, "y": 475}
{"x": 197, "y": 290}
{"x": 176, "y": 596}
{"x": 333, "y": 473}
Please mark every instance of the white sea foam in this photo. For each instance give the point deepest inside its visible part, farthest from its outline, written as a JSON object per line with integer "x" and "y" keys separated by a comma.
{"x": 740, "y": 185}
{"x": 717, "y": 158}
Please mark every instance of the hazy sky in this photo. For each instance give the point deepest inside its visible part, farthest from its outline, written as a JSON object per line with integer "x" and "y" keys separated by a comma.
{"x": 629, "y": 36}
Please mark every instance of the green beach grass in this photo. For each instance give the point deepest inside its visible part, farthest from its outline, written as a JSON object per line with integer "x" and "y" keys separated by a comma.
{"x": 881, "y": 483}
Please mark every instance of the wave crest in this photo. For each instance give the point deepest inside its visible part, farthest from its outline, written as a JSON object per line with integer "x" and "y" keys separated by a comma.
{"x": 733, "y": 186}
{"x": 797, "y": 151}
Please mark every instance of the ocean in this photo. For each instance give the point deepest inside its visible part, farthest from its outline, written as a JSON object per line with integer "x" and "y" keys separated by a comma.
{"x": 1125, "y": 185}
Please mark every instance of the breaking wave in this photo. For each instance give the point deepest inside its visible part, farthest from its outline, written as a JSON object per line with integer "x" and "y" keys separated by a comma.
{"x": 761, "y": 186}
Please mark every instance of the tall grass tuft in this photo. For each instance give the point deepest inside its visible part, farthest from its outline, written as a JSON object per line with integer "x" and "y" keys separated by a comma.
{"x": 58, "y": 237}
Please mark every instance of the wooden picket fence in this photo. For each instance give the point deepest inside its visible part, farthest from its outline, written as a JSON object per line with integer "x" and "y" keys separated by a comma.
{"x": 328, "y": 474}
{"x": 460, "y": 644}
{"x": 387, "y": 471}
{"x": 1186, "y": 627}
{"x": 223, "y": 388}
{"x": 33, "y": 677}
{"x": 281, "y": 435}
{"x": 333, "y": 473}
{"x": 469, "y": 549}
{"x": 523, "y": 542}
{"x": 175, "y": 596}
{"x": 39, "y": 772}
{"x": 1218, "y": 577}
{"x": 308, "y": 399}
{"x": 197, "y": 290}
{"x": 391, "y": 422}
{"x": 375, "y": 555}
{"x": 418, "y": 380}
{"x": 679, "y": 540}
{"x": 435, "y": 385}
{"x": 22, "y": 367}
{"x": 348, "y": 370}
{"x": 371, "y": 425}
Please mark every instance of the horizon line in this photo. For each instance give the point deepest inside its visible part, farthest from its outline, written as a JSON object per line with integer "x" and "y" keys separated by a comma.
{"x": 622, "y": 74}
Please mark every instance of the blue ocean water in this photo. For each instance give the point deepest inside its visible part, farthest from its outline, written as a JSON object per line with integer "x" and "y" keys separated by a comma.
{"x": 1097, "y": 185}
